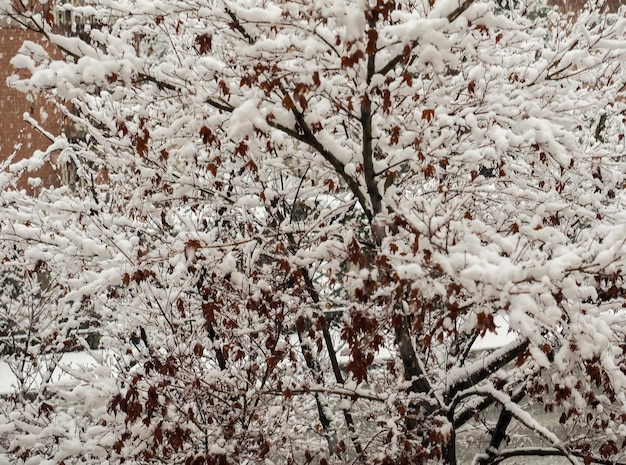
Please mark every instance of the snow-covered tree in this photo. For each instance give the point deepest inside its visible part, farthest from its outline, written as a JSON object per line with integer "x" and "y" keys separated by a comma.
{"x": 293, "y": 220}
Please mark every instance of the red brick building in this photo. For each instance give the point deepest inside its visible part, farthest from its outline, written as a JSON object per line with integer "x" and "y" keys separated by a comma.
{"x": 17, "y": 137}
{"x": 578, "y": 5}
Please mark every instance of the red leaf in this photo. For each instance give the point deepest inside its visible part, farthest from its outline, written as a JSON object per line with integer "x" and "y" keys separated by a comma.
{"x": 203, "y": 42}
{"x": 283, "y": 264}
{"x": 287, "y": 102}
{"x": 142, "y": 143}
{"x": 198, "y": 350}
{"x": 45, "y": 409}
{"x": 349, "y": 61}
{"x": 157, "y": 436}
{"x": 302, "y": 101}
{"x": 521, "y": 358}
{"x": 209, "y": 310}
{"x": 428, "y": 114}
{"x": 608, "y": 448}
{"x": 191, "y": 247}
{"x": 121, "y": 127}
{"x": 358, "y": 370}
{"x": 241, "y": 149}
{"x": 207, "y": 135}
{"x": 612, "y": 292}
{"x": 429, "y": 171}
{"x": 395, "y": 135}
{"x": 316, "y": 79}
{"x": 224, "y": 88}
{"x": 386, "y": 101}
{"x": 406, "y": 77}
{"x": 117, "y": 447}
{"x": 252, "y": 166}
{"x": 49, "y": 18}
{"x": 485, "y": 323}
{"x": 471, "y": 87}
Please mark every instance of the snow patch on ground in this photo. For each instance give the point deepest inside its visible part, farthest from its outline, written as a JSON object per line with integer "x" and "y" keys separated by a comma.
{"x": 70, "y": 361}
{"x": 74, "y": 362}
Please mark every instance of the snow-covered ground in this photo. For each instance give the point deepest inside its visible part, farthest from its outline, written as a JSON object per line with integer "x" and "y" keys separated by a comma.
{"x": 70, "y": 362}
{"x": 76, "y": 361}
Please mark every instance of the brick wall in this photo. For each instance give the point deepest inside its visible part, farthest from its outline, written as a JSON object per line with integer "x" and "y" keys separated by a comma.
{"x": 17, "y": 136}
{"x": 579, "y": 5}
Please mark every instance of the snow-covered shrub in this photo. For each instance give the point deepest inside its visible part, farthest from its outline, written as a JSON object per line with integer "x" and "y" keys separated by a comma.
{"x": 404, "y": 174}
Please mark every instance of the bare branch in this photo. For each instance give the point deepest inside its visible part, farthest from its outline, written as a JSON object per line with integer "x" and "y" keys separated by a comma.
{"x": 464, "y": 377}
{"x": 391, "y": 64}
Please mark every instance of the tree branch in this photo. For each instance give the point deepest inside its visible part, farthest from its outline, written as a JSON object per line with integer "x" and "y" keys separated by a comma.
{"x": 464, "y": 377}
{"x": 414, "y": 43}
{"x": 309, "y": 138}
{"x": 412, "y": 372}
{"x": 499, "y": 433}
{"x": 366, "y": 125}
{"x": 522, "y": 416}
{"x": 459, "y": 10}
{"x": 492, "y": 458}
{"x": 237, "y": 25}
{"x": 549, "y": 452}
{"x": 467, "y": 413}
{"x": 332, "y": 354}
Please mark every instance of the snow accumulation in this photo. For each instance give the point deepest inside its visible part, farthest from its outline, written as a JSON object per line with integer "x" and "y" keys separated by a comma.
{"x": 72, "y": 363}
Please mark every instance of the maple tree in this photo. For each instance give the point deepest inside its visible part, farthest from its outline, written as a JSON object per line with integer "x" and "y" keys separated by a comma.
{"x": 293, "y": 222}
